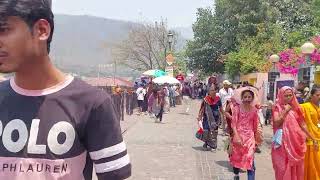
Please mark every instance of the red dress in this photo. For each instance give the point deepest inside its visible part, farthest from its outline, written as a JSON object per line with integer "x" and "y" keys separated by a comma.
{"x": 246, "y": 124}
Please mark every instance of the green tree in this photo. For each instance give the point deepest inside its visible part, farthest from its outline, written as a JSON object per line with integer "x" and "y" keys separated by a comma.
{"x": 289, "y": 24}
{"x": 292, "y": 15}
{"x": 315, "y": 10}
{"x": 180, "y": 63}
{"x": 239, "y": 19}
{"x": 253, "y": 52}
{"x": 244, "y": 33}
{"x": 233, "y": 64}
{"x": 216, "y": 34}
{"x": 204, "y": 50}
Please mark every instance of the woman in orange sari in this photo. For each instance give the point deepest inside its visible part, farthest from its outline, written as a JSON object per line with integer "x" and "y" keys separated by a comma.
{"x": 288, "y": 147}
{"x": 312, "y": 118}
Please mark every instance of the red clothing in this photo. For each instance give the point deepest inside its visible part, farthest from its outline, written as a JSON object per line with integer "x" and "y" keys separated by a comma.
{"x": 246, "y": 124}
{"x": 161, "y": 97}
{"x": 211, "y": 101}
{"x": 288, "y": 159}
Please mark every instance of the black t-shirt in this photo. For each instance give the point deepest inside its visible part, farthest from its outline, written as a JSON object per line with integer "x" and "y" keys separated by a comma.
{"x": 60, "y": 133}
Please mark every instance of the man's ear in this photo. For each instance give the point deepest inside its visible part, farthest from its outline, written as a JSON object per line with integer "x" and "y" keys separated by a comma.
{"x": 42, "y": 30}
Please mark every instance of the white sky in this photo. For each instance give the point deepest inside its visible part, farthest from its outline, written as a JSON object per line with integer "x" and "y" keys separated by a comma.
{"x": 179, "y": 13}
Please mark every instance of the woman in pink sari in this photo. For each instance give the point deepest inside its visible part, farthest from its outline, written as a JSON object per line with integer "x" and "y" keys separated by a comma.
{"x": 244, "y": 127}
{"x": 289, "y": 141}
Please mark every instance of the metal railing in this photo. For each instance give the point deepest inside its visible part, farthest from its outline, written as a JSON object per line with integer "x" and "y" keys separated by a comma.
{"x": 124, "y": 103}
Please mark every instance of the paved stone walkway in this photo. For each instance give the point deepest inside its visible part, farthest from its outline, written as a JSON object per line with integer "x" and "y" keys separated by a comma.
{"x": 170, "y": 151}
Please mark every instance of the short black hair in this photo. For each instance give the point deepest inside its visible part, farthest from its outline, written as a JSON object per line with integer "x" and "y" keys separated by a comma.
{"x": 245, "y": 84}
{"x": 30, "y": 11}
{"x": 243, "y": 92}
{"x": 315, "y": 89}
{"x": 213, "y": 87}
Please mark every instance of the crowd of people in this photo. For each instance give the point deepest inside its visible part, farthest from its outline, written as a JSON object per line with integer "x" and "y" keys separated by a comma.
{"x": 295, "y": 122}
{"x": 155, "y": 100}
{"x": 237, "y": 111}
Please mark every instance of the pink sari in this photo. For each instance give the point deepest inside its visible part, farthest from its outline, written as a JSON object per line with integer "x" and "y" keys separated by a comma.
{"x": 288, "y": 159}
{"x": 246, "y": 124}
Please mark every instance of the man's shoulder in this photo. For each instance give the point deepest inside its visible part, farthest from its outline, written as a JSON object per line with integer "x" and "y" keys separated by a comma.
{"x": 306, "y": 105}
{"x": 222, "y": 90}
{"x": 5, "y": 87}
{"x": 87, "y": 93}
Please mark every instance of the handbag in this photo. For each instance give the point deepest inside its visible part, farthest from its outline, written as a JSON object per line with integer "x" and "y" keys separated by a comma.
{"x": 204, "y": 135}
{"x": 199, "y": 134}
{"x": 277, "y": 138}
{"x": 207, "y": 137}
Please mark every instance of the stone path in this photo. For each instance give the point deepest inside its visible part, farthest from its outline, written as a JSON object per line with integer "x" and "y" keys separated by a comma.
{"x": 170, "y": 151}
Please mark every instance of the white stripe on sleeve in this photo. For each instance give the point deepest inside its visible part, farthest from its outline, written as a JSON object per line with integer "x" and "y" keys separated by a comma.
{"x": 112, "y": 165}
{"x": 108, "y": 152}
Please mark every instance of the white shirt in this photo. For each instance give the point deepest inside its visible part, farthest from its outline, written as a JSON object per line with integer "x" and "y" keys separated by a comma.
{"x": 224, "y": 95}
{"x": 270, "y": 104}
{"x": 166, "y": 91}
{"x": 141, "y": 92}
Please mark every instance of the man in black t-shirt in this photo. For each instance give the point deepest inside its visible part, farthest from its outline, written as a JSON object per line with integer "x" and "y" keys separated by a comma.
{"x": 52, "y": 126}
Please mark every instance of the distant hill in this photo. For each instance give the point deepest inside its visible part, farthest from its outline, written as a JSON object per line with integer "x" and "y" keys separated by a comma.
{"x": 185, "y": 32}
{"x": 81, "y": 43}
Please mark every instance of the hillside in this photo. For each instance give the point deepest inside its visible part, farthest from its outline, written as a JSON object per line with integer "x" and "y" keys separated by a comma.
{"x": 81, "y": 43}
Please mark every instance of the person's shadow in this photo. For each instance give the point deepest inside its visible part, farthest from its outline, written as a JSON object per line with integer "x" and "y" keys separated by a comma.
{"x": 199, "y": 148}
{"x": 225, "y": 164}
{"x": 184, "y": 113}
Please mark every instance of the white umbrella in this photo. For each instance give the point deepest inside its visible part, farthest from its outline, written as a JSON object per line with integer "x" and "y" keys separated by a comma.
{"x": 154, "y": 73}
{"x": 166, "y": 79}
{"x": 151, "y": 72}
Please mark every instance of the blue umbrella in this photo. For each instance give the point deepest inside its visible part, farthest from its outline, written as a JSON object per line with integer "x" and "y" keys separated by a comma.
{"x": 159, "y": 73}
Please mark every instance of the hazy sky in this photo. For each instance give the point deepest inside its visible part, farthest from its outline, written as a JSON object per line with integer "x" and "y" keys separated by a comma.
{"x": 179, "y": 13}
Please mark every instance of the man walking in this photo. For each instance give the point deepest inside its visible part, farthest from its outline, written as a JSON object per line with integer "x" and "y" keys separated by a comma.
{"x": 186, "y": 92}
{"x": 141, "y": 92}
{"x": 52, "y": 125}
{"x": 172, "y": 96}
{"x": 225, "y": 94}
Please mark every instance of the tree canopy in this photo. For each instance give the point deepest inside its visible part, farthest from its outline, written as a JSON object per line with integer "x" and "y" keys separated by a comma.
{"x": 239, "y": 36}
